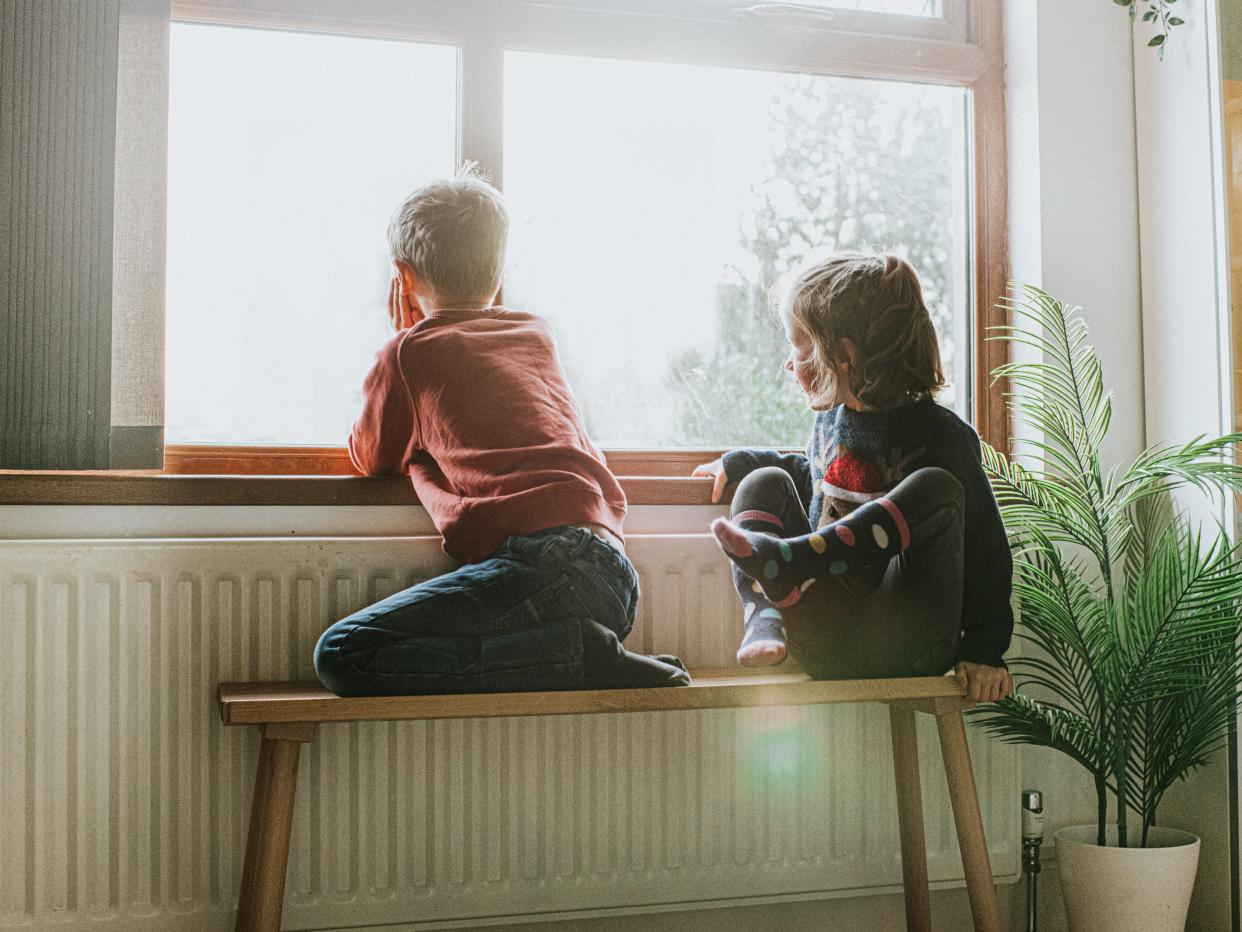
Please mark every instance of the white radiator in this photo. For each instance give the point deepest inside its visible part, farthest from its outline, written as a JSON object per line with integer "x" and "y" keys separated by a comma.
{"x": 123, "y": 802}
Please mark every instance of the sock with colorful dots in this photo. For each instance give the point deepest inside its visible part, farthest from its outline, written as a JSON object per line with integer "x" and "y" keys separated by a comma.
{"x": 763, "y": 644}
{"x": 784, "y": 569}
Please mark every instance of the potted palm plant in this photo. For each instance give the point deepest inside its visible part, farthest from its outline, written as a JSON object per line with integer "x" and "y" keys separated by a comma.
{"x": 1130, "y": 615}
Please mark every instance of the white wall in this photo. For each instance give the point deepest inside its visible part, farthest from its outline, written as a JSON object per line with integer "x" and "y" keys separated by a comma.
{"x": 1074, "y": 231}
{"x": 1186, "y": 333}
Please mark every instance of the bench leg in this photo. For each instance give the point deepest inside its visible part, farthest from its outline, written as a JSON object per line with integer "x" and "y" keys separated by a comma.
{"x": 910, "y": 819}
{"x": 271, "y": 819}
{"x": 969, "y": 822}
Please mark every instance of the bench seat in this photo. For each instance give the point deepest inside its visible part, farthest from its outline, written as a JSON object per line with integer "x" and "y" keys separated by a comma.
{"x": 263, "y": 703}
{"x": 288, "y": 716}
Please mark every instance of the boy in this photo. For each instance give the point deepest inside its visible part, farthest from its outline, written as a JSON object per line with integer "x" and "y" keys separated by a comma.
{"x": 469, "y": 400}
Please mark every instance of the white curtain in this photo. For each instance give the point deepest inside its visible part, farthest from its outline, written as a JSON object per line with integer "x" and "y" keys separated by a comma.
{"x": 139, "y": 233}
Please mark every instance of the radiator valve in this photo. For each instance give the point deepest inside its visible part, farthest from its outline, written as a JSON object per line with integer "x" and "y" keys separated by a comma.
{"x": 1032, "y": 829}
{"x": 1032, "y": 838}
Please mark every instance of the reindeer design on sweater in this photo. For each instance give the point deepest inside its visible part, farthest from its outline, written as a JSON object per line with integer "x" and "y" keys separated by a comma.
{"x": 848, "y": 480}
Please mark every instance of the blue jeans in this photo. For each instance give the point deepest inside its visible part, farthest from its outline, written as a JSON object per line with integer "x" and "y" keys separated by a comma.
{"x": 511, "y": 623}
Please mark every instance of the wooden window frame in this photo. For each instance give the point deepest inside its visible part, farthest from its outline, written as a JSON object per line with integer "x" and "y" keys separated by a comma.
{"x": 963, "y": 47}
{"x": 252, "y": 460}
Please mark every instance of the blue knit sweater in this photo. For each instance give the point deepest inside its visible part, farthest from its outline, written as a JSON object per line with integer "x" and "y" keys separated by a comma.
{"x": 856, "y": 456}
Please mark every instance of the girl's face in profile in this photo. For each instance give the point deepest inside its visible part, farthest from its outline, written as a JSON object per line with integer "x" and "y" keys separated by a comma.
{"x": 799, "y": 363}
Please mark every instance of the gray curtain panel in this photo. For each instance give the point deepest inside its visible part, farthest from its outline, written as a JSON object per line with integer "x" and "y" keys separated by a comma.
{"x": 83, "y": 152}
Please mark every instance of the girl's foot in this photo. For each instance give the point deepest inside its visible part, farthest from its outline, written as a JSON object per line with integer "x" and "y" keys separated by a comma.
{"x": 873, "y": 534}
{"x": 762, "y": 653}
{"x": 764, "y": 643}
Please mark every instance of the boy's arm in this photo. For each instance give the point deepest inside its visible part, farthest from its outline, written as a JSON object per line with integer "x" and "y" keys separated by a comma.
{"x": 738, "y": 464}
{"x": 385, "y": 436}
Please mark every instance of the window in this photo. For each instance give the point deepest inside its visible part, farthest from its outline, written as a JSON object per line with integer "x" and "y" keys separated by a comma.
{"x": 287, "y": 154}
{"x": 663, "y": 161}
{"x": 655, "y": 204}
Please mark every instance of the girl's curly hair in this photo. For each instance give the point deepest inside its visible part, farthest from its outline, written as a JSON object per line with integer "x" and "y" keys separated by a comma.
{"x": 877, "y": 302}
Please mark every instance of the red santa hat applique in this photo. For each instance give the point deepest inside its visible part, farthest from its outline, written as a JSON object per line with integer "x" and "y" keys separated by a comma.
{"x": 853, "y": 479}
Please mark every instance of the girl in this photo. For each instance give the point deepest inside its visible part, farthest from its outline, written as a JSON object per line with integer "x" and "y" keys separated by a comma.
{"x": 880, "y": 551}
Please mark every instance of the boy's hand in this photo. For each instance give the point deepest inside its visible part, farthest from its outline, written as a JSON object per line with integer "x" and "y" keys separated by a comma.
{"x": 396, "y": 302}
{"x": 983, "y": 683}
{"x": 400, "y": 314}
{"x": 715, "y": 471}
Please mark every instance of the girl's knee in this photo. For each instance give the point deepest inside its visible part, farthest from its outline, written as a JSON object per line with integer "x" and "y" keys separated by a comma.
{"x": 767, "y": 488}
{"x": 935, "y": 484}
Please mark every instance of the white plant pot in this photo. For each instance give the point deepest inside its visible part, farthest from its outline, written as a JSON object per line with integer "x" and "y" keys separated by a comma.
{"x": 1115, "y": 889}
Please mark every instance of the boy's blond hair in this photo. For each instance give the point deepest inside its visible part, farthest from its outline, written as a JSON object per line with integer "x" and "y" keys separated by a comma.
{"x": 453, "y": 234}
{"x": 877, "y": 302}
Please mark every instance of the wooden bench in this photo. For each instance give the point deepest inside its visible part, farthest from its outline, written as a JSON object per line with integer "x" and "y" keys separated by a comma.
{"x": 288, "y": 714}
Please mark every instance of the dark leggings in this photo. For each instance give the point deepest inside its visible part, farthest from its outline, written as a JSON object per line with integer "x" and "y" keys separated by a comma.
{"x": 901, "y": 618}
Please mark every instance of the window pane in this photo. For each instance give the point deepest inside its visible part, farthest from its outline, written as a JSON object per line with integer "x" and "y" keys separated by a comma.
{"x": 655, "y": 205}
{"x": 287, "y": 154}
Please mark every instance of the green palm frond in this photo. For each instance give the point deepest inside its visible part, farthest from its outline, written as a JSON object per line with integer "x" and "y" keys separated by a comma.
{"x": 1190, "y": 730}
{"x": 1184, "y": 607}
{"x": 1150, "y": 518}
{"x": 1063, "y": 612}
{"x": 1061, "y": 396}
{"x": 1200, "y": 463}
{"x": 1018, "y": 719}
{"x": 1068, "y": 376}
{"x": 1027, "y": 499}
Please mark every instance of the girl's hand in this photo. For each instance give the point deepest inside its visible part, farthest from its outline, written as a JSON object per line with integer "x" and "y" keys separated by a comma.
{"x": 715, "y": 471}
{"x": 983, "y": 683}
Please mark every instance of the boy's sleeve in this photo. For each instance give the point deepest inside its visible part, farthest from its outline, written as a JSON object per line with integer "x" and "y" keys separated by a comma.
{"x": 385, "y": 436}
{"x": 987, "y": 615}
{"x": 738, "y": 464}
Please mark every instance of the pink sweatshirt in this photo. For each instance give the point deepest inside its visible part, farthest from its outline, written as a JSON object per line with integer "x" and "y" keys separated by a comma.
{"x": 473, "y": 406}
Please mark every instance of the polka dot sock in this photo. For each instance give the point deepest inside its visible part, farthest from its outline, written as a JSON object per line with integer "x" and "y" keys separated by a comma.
{"x": 763, "y": 644}
{"x": 784, "y": 569}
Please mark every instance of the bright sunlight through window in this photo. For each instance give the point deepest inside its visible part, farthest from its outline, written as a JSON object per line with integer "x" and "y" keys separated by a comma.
{"x": 656, "y": 205}
{"x": 287, "y": 155}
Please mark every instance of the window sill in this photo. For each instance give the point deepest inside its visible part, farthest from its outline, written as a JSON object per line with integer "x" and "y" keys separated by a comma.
{"x": 152, "y": 488}
{"x": 206, "y": 459}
